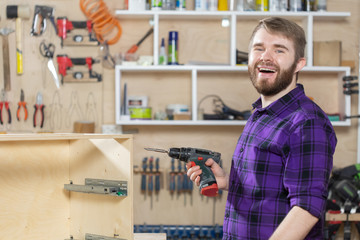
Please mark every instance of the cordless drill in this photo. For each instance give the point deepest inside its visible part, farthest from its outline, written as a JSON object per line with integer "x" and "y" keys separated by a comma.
{"x": 197, "y": 156}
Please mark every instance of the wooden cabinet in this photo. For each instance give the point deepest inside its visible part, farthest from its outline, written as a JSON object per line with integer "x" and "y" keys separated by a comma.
{"x": 34, "y": 170}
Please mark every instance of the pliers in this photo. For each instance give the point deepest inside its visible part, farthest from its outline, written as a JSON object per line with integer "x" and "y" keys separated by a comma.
{"x": 5, "y": 103}
{"x": 22, "y": 104}
{"x": 39, "y": 107}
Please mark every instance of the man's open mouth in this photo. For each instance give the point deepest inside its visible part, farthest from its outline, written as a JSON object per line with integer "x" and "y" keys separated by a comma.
{"x": 266, "y": 70}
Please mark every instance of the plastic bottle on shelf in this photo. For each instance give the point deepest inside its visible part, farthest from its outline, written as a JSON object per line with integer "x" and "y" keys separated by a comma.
{"x": 200, "y": 5}
{"x": 173, "y": 57}
{"x": 321, "y": 5}
{"x": 262, "y": 5}
{"x": 213, "y": 5}
{"x": 162, "y": 54}
{"x": 137, "y": 5}
{"x": 222, "y": 5}
{"x": 240, "y": 5}
{"x": 248, "y": 5}
{"x": 284, "y": 5}
{"x": 295, "y": 5}
{"x": 274, "y": 5}
{"x": 180, "y": 5}
{"x": 156, "y": 4}
{"x": 308, "y": 5}
{"x": 168, "y": 4}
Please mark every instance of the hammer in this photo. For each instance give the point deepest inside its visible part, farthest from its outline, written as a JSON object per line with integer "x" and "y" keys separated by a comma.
{"x": 4, "y": 32}
{"x": 18, "y": 12}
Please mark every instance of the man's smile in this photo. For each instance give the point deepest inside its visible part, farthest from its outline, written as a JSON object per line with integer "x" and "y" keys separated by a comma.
{"x": 266, "y": 71}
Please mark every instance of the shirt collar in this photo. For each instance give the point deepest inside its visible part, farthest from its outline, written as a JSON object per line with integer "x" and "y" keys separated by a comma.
{"x": 282, "y": 102}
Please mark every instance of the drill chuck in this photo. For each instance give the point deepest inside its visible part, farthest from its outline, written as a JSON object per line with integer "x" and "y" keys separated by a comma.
{"x": 184, "y": 154}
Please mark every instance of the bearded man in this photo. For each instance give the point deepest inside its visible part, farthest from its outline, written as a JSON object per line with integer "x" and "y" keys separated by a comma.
{"x": 277, "y": 186}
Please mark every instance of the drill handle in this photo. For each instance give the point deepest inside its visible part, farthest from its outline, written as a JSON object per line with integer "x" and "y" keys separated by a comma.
{"x": 208, "y": 186}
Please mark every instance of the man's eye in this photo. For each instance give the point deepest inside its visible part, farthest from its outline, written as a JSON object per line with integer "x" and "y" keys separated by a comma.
{"x": 279, "y": 51}
{"x": 258, "y": 49}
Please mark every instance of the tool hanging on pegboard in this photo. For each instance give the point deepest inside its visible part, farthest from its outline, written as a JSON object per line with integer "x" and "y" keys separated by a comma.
{"x": 47, "y": 51}
{"x": 172, "y": 177}
{"x": 4, "y": 32}
{"x": 106, "y": 26}
{"x": 22, "y": 109}
{"x": 143, "y": 175}
{"x": 350, "y": 82}
{"x": 4, "y": 107}
{"x": 157, "y": 177}
{"x": 39, "y": 111}
{"x": 76, "y": 33}
{"x": 150, "y": 181}
{"x": 150, "y": 177}
{"x": 20, "y": 13}
{"x": 41, "y": 15}
{"x": 66, "y": 63}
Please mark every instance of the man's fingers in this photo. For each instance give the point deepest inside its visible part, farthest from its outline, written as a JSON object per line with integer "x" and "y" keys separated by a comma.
{"x": 197, "y": 181}
{"x": 209, "y": 162}
{"x": 191, "y": 170}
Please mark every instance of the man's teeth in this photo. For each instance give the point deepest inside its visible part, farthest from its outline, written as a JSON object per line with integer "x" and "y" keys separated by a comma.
{"x": 266, "y": 70}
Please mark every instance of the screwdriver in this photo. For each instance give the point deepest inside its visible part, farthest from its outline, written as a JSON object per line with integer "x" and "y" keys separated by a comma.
{"x": 150, "y": 183}
{"x": 179, "y": 177}
{"x": 172, "y": 176}
{"x": 135, "y": 47}
{"x": 157, "y": 176}
{"x": 185, "y": 179}
{"x": 143, "y": 176}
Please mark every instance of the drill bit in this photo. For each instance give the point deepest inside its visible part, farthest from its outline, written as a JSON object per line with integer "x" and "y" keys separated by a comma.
{"x": 157, "y": 150}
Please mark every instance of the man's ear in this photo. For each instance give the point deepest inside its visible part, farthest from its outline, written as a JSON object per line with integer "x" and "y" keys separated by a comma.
{"x": 300, "y": 64}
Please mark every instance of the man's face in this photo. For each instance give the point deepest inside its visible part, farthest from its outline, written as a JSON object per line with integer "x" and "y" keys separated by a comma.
{"x": 272, "y": 63}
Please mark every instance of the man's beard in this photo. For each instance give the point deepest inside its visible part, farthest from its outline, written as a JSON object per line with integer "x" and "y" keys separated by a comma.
{"x": 282, "y": 80}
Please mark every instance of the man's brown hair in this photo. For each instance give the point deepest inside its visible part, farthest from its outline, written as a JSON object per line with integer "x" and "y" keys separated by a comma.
{"x": 289, "y": 29}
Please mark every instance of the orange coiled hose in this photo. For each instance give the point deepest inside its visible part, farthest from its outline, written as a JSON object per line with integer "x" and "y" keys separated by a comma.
{"x": 103, "y": 22}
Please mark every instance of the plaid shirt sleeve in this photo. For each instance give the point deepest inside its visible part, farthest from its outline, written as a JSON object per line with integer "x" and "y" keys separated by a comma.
{"x": 308, "y": 166}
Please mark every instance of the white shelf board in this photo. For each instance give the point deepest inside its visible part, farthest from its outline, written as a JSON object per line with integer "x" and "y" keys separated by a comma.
{"x": 184, "y": 122}
{"x": 225, "y": 68}
{"x": 345, "y": 123}
{"x": 190, "y": 14}
{"x": 201, "y": 123}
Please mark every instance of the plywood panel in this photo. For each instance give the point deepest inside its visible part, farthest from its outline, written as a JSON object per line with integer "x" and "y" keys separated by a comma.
{"x": 100, "y": 159}
{"x": 33, "y": 171}
{"x": 33, "y": 202}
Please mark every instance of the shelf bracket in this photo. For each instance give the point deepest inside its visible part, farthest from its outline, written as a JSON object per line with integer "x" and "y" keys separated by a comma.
{"x": 100, "y": 186}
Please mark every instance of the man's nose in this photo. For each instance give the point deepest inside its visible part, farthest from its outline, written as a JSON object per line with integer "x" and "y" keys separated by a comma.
{"x": 266, "y": 55}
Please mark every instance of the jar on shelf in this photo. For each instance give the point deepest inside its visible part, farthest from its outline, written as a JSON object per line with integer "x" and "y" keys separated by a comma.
{"x": 245, "y": 5}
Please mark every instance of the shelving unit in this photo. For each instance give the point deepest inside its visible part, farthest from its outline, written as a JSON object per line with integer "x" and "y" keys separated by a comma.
{"x": 307, "y": 19}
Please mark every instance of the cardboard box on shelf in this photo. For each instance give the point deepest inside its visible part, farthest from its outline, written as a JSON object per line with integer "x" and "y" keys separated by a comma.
{"x": 327, "y": 53}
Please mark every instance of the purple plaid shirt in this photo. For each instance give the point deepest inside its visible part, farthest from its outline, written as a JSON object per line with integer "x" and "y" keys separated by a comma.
{"x": 283, "y": 159}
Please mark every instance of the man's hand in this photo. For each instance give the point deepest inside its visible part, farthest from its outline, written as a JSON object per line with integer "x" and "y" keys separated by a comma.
{"x": 221, "y": 177}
